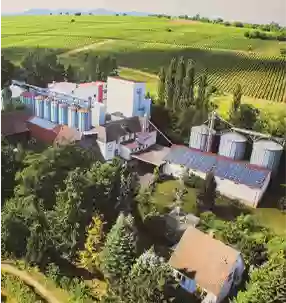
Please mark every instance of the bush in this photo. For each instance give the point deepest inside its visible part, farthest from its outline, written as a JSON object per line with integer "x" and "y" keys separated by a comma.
{"x": 227, "y": 23}
{"x": 246, "y": 34}
{"x": 194, "y": 181}
{"x": 238, "y": 24}
{"x": 72, "y": 20}
{"x": 168, "y": 30}
{"x": 283, "y": 51}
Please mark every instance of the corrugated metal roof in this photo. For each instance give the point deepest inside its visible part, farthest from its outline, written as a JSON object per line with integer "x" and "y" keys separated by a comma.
{"x": 42, "y": 123}
{"x": 239, "y": 172}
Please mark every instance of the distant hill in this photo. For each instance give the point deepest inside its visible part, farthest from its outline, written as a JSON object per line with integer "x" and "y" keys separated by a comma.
{"x": 99, "y": 11}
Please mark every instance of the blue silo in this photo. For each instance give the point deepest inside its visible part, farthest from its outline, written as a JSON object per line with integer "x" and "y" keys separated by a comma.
{"x": 63, "y": 113}
{"x": 72, "y": 116}
{"x": 55, "y": 111}
{"x": 47, "y": 109}
{"x": 83, "y": 119}
{"x": 39, "y": 106}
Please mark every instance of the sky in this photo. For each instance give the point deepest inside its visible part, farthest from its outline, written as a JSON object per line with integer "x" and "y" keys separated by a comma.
{"x": 256, "y": 11}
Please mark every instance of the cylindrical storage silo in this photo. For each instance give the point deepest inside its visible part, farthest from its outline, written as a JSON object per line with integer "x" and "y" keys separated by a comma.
{"x": 63, "y": 113}
{"x": 55, "y": 111}
{"x": 266, "y": 153}
{"x": 232, "y": 145}
{"x": 199, "y": 137}
{"x": 47, "y": 109}
{"x": 72, "y": 116}
{"x": 39, "y": 106}
{"x": 83, "y": 119}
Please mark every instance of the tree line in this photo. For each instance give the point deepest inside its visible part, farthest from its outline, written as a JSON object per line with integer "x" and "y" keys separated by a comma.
{"x": 42, "y": 66}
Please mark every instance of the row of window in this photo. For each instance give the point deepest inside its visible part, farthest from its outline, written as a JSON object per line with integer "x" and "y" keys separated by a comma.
{"x": 127, "y": 137}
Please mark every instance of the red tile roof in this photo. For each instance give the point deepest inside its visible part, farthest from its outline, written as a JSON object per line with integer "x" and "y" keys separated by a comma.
{"x": 43, "y": 134}
{"x": 14, "y": 122}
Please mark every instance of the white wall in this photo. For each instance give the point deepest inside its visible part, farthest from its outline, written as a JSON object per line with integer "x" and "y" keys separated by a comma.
{"x": 124, "y": 152}
{"x": 107, "y": 149}
{"x": 245, "y": 194}
{"x": 239, "y": 268}
{"x": 120, "y": 95}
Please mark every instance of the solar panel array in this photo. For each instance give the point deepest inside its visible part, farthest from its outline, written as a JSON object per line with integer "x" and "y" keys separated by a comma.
{"x": 238, "y": 172}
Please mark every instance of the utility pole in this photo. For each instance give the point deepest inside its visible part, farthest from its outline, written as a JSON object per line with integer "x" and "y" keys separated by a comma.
{"x": 211, "y": 128}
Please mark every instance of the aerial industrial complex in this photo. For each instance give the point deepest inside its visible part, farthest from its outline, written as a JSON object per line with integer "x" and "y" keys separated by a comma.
{"x": 116, "y": 115}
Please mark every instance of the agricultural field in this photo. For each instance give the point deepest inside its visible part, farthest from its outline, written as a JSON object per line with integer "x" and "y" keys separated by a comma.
{"x": 145, "y": 44}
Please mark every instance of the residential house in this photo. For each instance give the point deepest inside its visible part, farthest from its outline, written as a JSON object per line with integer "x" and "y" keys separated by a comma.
{"x": 124, "y": 137}
{"x": 201, "y": 261}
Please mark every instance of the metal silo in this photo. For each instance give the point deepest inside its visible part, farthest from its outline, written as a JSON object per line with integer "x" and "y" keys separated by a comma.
{"x": 72, "y": 116}
{"x": 98, "y": 113}
{"x": 266, "y": 153}
{"x": 39, "y": 106}
{"x": 199, "y": 137}
{"x": 63, "y": 113}
{"x": 55, "y": 111}
{"x": 83, "y": 119}
{"x": 47, "y": 109}
{"x": 232, "y": 145}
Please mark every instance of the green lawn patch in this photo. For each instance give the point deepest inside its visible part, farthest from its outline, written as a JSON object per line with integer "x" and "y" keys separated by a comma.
{"x": 164, "y": 197}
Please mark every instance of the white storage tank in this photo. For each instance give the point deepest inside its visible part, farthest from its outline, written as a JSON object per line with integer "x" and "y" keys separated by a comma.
{"x": 266, "y": 153}
{"x": 199, "y": 137}
{"x": 98, "y": 113}
{"x": 232, "y": 145}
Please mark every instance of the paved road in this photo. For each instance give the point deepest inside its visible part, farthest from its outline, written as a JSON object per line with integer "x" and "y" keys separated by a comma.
{"x": 29, "y": 280}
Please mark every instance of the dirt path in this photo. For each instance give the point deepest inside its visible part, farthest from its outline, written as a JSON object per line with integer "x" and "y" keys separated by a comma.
{"x": 139, "y": 72}
{"x": 25, "y": 277}
{"x": 86, "y": 47}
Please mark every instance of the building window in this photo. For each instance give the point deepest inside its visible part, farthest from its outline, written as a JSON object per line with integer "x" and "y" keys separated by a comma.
{"x": 116, "y": 153}
{"x": 126, "y": 137}
{"x": 132, "y": 136}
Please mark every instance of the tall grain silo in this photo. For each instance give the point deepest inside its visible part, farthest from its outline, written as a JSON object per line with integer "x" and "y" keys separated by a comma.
{"x": 83, "y": 119}
{"x": 232, "y": 145}
{"x": 39, "y": 106}
{"x": 72, "y": 116}
{"x": 266, "y": 153}
{"x": 47, "y": 109}
{"x": 199, "y": 137}
{"x": 98, "y": 113}
{"x": 55, "y": 111}
{"x": 63, "y": 113}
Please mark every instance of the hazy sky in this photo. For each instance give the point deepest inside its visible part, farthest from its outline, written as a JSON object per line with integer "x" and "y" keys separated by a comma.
{"x": 245, "y": 10}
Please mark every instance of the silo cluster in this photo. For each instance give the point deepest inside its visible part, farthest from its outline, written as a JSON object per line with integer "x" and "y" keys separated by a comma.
{"x": 200, "y": 136}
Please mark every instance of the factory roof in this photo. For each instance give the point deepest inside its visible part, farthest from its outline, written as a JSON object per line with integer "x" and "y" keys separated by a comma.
{"x": 111, "y": 131}
{"x": 67, "y": 135}
{"x": 222, "y": 167}
{"x": 209, "y": 260}
{"x": 13, "y": 123}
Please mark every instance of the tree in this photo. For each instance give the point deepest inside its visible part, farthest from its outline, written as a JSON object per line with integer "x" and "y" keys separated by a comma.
{"x": 187, "y": 98}
{"x": 7, "y": 72}
{"x": 178, "y": 82}
{"x": 42, "y": 67}
{"x": 169, "y": 84}
{"x": 237, "y": 94}
{"x": 70, "y": 74}
{"x": 207, "y": 193}
{"x": 150, "y": 280}
{"x": 246, "y": 116}
{"x": 89, "y": 257}
{"x": 267, "y": 283}
{"x": 161, "y": 86}
{"x": 10, "y": 164}
{"x": 119, "y": 251}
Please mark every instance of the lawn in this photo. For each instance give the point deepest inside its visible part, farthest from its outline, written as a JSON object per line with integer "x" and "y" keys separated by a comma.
{"x": 269, "y": 217}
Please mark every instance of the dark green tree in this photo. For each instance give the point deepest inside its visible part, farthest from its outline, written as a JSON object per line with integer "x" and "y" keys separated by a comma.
{"x": 42, "y": 67}
{"x": 207, "y": 194}
{"x": 267, "y": 283}
{"x": 161, "y": 86}
{"x": 178, "y": 82}
{"x": 70, "y": 74}
{"x": 7, "y": 72}
{"x": 246, "y": 116}
{"x": 118, "y": 254}
{"x": 236, "y": 102}
{"x": 170, "y": 84}
{"x": 187, "y": 98}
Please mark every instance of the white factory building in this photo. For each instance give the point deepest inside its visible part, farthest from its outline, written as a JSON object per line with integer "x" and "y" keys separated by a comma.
{"x": 235, "y": 178}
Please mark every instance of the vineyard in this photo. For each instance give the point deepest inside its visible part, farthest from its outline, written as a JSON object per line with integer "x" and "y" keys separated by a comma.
{"x": 146, "y": 44}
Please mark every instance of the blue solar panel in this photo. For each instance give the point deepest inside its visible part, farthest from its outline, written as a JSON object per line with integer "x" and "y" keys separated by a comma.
{"x": 226, "y": 169}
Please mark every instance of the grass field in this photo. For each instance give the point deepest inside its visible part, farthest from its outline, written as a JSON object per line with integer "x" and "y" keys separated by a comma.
{"x": 146, "y": 44}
